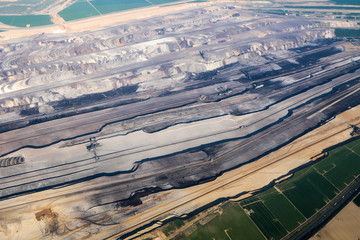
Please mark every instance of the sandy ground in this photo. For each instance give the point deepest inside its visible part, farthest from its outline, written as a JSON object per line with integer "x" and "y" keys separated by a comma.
{"x": 345, "y": 225}
{"x": 19, "y": 219}
{"x": 28, "y": 217}
{"x": 257, "y": 174}
{"x": 139, "y": 145}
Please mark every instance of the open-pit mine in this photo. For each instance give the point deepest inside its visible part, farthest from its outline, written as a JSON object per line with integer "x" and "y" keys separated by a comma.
{"x": 109, "y": 131}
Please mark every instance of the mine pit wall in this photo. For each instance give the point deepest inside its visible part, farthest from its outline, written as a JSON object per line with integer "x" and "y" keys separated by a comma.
{"x": 199, "y": 176}
{"x": 239, "y": 110}
{"x": 141, "y": 208}
{"x": 83, "y": 85}
{"x": 193, "y": 175}
{"x": 38, "y": 106}
{"x": 115, "y": 225}
{"x": 31, "y": 70}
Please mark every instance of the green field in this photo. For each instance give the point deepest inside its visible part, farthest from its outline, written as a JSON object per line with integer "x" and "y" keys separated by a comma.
{"x": 343, "y": 32}
{"x": 84, "y": 9}
{"x": 23, "y": 20}
{"x": 265, "y": 220}
{"x": 354, "y": 146}
{"x": 24, "y": 7}
{"x": 80, "y": 9}
{"x": 23, "y": 10}
{"x": 249, "y": 200}
{"x": 234, "y": 221}
{"x": 109, "y": 6}
{"x": 308, "y": 191}
{"x": 282, "y": 209}
{"x": 173, "y": 226}
{"x": 340, "y": 166}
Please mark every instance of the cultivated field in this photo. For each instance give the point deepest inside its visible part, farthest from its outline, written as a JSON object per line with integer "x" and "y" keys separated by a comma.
{"x": 280, "y": 209}
{"x": 233, "y": 223}
{"x": 308, "y": 191}
{"x": 114, "y": 124}
{"x": 265, "y": 220}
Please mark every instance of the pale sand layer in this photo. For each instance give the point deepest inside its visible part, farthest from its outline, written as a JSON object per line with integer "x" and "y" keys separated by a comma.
{"x": 20, "y": 220}
{"x": 139, "y": 145}
{"x": 345, "y": 225}
{"x": 255, "y": 175}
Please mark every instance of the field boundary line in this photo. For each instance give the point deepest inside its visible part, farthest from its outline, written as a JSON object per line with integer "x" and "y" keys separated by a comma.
{"x": 278, "y": 220}
{"x": 315, "y": 215}
{"x": 94, "y": 7}
{"x": 352, "y": 151}
{"x": 227, "y": 183}
{"x": 253, "y": 221}
{"x": 251, "y": 203}
{"x": 150, "y": 2}
{"x": 285, "y": 183}
{"x": 291, "y": 203}
{"x": 226, "y": 232}
{"x": 317, "y": 170}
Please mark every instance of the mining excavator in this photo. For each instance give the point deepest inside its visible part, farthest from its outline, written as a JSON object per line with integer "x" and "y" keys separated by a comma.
{"x": 355, "y": 131}
{"x": 92, "y": 146}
